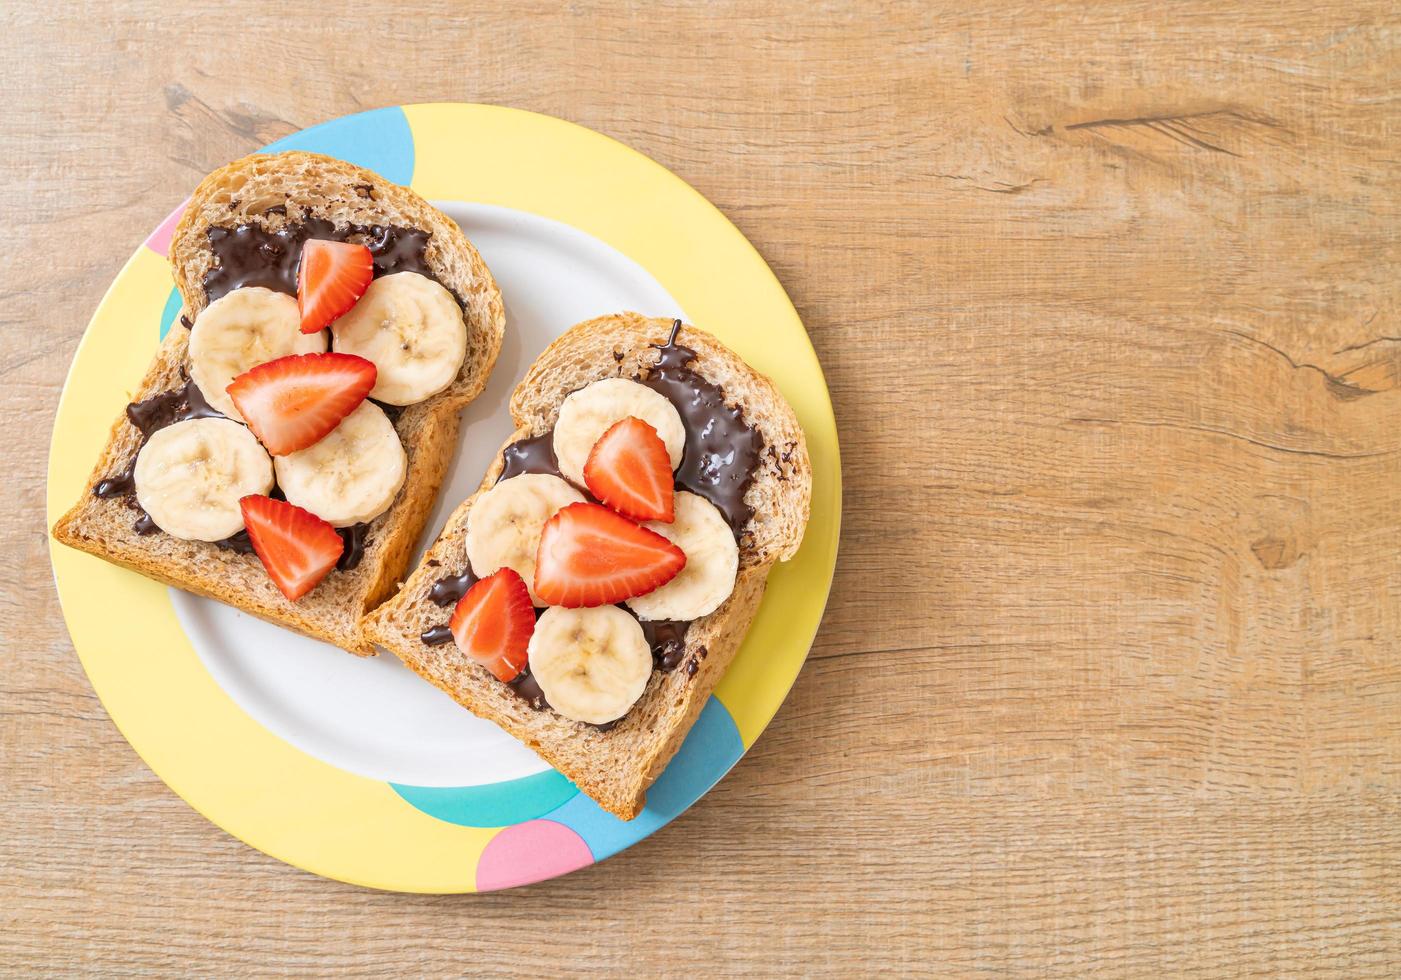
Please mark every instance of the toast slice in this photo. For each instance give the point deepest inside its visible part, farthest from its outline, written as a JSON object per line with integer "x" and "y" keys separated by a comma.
{"x": 272, "y": 193}
{"x": 616, "y": 766}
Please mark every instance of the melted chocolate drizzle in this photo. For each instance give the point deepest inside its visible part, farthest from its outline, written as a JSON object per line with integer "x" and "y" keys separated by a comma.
{"x": 445, "y": 593}
{"x": 526, "y": 688}
{"x": 249, "y": 255}
{"x": 150, "y": 416}
{"x": 167, "y": 408}
{"x": 239, "y": 543}
{"x": 722, "y": 452}
{"x": 436, "y": 636}
{"x": 450, "y": 588}
{"x": 180, "y": 405}
{"x": 667, "y": 638}
{"x": 117, "y": 486}
{"x": 720, "y": 457}
{"x": 354, "y": 537}
{"x": 533, "y": 455}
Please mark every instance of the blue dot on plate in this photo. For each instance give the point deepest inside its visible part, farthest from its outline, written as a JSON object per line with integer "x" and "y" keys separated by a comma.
{"x": 710, "y": 750}
{"x": 171, "y": 311}
{"x": 378, "y": 140}
{"x": 494, "y": 805}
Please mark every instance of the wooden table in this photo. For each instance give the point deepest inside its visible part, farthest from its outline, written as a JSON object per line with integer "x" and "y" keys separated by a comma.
{"x": 1107, "y": 297}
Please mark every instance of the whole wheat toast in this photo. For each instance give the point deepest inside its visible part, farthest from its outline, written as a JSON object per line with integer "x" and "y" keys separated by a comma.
{"x": 616, "y": 766}
{"x": 270, "y": 192}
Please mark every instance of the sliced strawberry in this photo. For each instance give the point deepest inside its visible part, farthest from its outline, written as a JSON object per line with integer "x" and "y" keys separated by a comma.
{"x": 295, "y": 546}
{"x": 590, "y": 556}
{"x": 331, "y": 278}
{"x": 492, "y": 623}
{"x": 295, "y": 401}
{"x": 630, "y": 471}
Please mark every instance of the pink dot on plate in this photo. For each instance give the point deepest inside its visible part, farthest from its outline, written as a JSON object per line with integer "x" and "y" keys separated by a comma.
{"x": 159, "y": 241}
{"x": 530, "y": 852}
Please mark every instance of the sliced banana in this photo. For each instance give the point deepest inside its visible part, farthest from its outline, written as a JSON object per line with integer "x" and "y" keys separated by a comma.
{"x": 413, "y": 331}
{"x": 189, "y": 477}
{"x": 503, "y": 527}
{"x": 591, "y": 411}
{"x": 240, "y": 330}
{"x": 352, "y": 475}
{"x": 712, "y": 561}
{"x": 593, "y": 664}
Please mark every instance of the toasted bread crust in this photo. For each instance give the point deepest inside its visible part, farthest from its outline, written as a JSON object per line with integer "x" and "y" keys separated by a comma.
{"x": 325, "y": 188}
{"x": 616, "y": 767}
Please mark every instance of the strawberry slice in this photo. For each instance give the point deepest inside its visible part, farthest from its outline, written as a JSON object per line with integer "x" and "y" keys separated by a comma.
{"x": 492, "y": 623}
{"x": 295, "y": 401}
{"x": 629, "y": 470}
{"x": 295, "y": 546}
{"x": 331, "y": 278}
{"x": 590, "y": 556}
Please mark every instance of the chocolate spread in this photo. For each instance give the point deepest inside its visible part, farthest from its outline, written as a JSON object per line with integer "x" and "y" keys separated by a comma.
{"x": 722, "y": 452}
{"x": 248, "y": 255}
{"x": 354, "y": 550}
{"x": 449, "y": 589}
{"x": 149, "y": 417}
{"x": 436, "y": 636}
{"x": 667, "y": 638}
{"x": 719, "y": 461}
{"x": 239, "y": 543}
{"x": 533, "y": 455}
{"x": 526, "y": 688}
{"x": 180, "y": 405}
{"x": 446, "y": 592}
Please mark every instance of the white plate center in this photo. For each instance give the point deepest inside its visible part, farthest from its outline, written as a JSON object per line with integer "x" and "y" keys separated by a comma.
{"x": 374, "y": 716}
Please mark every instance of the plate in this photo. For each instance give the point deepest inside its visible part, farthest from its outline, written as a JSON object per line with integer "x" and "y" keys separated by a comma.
{"x": 352, "y": 768}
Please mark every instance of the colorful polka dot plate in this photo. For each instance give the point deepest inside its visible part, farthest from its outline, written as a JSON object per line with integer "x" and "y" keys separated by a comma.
{"x": 354, "y": 769}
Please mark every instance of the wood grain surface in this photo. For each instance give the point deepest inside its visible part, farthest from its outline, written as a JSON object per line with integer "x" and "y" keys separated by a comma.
{"x": 1107, "y": 296}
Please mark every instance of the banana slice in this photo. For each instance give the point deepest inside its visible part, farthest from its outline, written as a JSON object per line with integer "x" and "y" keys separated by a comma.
{"x": 352, "y": 475}
{"x": 591, "y": 411}
{"x": 712, "y": 561}
{"x": 503, "y": 527}
{"x": 413, "y": 331}
{"x": 190, "y": 475}
{"x": 592, "y": 664}
{"x": 240, "y": 330}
